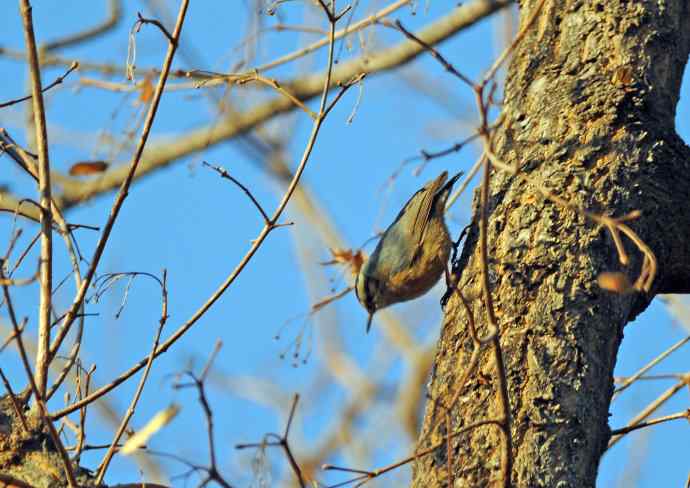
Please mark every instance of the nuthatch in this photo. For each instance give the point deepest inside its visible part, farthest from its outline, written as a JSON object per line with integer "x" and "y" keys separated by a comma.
{"x": 413, "y": 252}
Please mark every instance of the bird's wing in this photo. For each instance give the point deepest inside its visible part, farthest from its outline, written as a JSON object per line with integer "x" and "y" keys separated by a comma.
{"x": 395, "y": 252}
{"x": 425, "y": 208}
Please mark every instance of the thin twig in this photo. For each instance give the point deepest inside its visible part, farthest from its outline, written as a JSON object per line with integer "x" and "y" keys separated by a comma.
{"x": 41, "y": 409}
{"x": 25, "y": 253}
{"x": 278, "y": 87}
{"x": 81, "y": 439}
{"x": 13, "y": 335}
{"x": 372, "y": 19}
{"x": 329, "y": 299}
{"x": 629, "y": 381}
{"x": 343, "y": 88}
{"x": 369, "y": 475}
{"x": 282, "y": 441}
{"x": 137, "y": 394}
{"x": 224, "y": 174}
{"x": 15, "y": 404}
{"x": 652, "y": 407}
{"x": 428, "y": 155}
{"x": 516, "y": 40}
{"x": 448, "y": 66}
{"x": 57, "y": 81}
{"x": 16, "y": 234}
{"x": 506, "y": 452}
{"x": 465, "y": 183}
{"x": 213, "y": 474}
{"x": 20, "y": 281}
{"x": 141, "y": 20}
{"x": 71, "y": 360}
{"x": 124, "y": 188}
{"x": 288, "y": 452}
{"x": 685, "y": 414}
{"x": 256, "y": 244}
{"x": 651, "y": 377}
{"x": 305, "y": 87}
{"x": 449, "y": 451}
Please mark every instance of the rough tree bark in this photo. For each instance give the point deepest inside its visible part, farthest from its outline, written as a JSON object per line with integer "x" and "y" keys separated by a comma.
{"x": 589, "y": 102}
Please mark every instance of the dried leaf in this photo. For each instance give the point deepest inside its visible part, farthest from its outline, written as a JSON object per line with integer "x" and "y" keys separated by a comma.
{"x": 347, "y": 257}
{"x": 339, "y": 256}
{"x": 85, "y": 168}
{"x": 615, "y": 281}
{"x": 160, "y": 420}
{"x": 357, "y": 261}
{"x": 145, "y": 90}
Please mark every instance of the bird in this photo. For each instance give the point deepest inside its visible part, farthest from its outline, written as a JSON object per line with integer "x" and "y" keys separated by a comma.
{"x": 412, "y": 253}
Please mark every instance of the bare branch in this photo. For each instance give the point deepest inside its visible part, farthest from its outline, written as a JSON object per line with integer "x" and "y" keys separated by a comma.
{"x": 46, "y": 288}
{"x": 213, "y": 474}
{"x": 448, "y": 66}
{"x": 78, "y": 192}
{"x": 57, "y": 81}
{"x": 685, "y": 414}
{"x": 652, "y": 407}
{"x": 41, "y": 409}
{"x": 18, "y": 409}
{"x": 137, "y": 394}
{"x": 278, "y": 87}
{"x": 256, "y": 244}
{"x": 282, "y": 441}
{"x": 124, "y": 188}
{"x": 142, "y": 20}
{"x": 224, "y": 174}
{"x": 366, "y": 476}
{"x": 649, "y": 365}
{"x": 114, "y": 16}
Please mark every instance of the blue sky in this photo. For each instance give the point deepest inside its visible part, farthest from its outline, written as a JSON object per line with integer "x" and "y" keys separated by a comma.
{"x": 197, "y": 226}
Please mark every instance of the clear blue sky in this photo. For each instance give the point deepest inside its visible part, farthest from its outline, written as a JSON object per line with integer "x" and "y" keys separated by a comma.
{"x": 197, "y": 226}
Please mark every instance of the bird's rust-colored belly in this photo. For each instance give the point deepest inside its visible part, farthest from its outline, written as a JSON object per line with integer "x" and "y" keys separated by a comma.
{"x": 420, "y": 278}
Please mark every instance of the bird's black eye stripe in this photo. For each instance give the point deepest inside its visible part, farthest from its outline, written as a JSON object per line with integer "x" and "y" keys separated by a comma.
{"x": 370, "y": 285}
{"x": 369, "y": 291}
{"x": 357, "y": 288}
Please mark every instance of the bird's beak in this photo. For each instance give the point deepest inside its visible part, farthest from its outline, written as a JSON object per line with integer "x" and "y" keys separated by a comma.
{"x": 371, "y": 317}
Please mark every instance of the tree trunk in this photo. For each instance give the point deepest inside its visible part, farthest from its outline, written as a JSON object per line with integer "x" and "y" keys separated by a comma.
{"x": 589, "y": 111}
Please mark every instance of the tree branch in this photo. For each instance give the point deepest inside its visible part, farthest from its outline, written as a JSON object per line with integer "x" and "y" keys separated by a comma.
{"x": 46, "y": 288}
